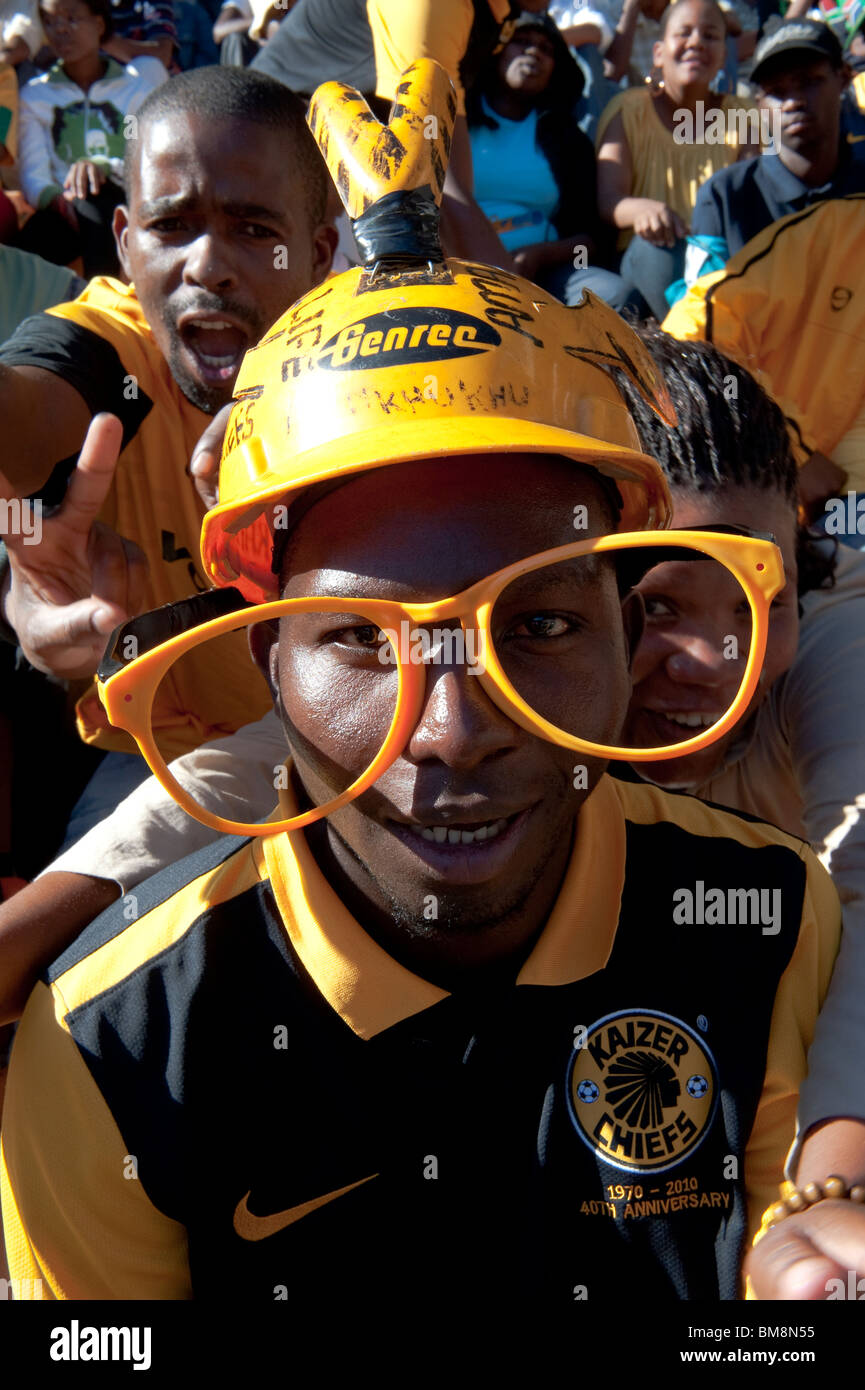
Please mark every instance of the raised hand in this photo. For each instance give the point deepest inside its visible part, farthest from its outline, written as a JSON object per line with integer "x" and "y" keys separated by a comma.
{"x": 69, "y": 591}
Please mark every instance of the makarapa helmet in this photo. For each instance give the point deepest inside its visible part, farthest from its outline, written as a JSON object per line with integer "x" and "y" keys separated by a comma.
{"x": 412, "y": 356}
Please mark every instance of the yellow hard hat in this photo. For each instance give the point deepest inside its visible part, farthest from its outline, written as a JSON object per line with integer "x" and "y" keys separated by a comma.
{"x": 412, "y": 356}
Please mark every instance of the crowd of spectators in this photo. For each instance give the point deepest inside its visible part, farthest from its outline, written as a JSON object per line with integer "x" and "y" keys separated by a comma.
{"x": 670, "y": 97}
{"x": 699, "y": 165}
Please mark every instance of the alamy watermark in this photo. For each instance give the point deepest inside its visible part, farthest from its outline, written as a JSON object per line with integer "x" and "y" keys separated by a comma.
{"x": 442, "y": 646}
{"x": 21, "y": 517}
{"x": 732, "y": 907}
{"x": 20, "y": 1289}
{"x": 845, "y": 516}
{"x": 77, "y": 1343}
{"x": 719, "y": 126}
{"x": 853, "y": 1289}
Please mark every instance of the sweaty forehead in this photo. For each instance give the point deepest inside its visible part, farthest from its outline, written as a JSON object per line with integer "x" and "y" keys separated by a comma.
{"x": 429, "y": 528}
{"x": 179, "y": 154}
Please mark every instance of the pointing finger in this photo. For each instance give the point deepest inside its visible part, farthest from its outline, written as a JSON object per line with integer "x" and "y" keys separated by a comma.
{"x": 108, "y": 567}
{"x": 93, "y": 475}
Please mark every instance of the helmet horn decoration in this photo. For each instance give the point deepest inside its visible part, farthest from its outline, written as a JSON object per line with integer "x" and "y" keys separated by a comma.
{"x": 368, "y": 160}
{"x": 412, "y": 356}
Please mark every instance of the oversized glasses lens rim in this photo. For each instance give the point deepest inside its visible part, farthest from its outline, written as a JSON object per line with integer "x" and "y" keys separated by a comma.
{"x": 248, "y": 616}
{"x": 497, "y": 678}
{"x": 233, "y": 603}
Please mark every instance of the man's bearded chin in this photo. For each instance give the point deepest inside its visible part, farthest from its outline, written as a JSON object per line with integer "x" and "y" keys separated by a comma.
{"x": 460, "y": 913}
{"x": 208, "y": 399}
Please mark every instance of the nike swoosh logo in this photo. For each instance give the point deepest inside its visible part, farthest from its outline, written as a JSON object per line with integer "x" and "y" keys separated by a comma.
{"x": 250, "y": 1227}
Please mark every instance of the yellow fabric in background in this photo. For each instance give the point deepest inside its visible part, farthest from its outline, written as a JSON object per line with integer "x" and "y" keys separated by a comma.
{"x": 404, "y": 32}
{"x": 152, "y": 499}
{"x": 9, "y": 102}
{"x": 663, "y": 168}
{"x": 789, "y": 307}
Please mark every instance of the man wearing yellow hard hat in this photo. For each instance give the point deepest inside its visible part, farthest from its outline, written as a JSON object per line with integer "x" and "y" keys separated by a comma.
{"x": 464, "y": 1042}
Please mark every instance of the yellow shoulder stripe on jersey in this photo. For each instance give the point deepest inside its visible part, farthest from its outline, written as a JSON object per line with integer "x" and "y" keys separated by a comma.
{"x": 75, "y": 1226}
{"x": 158, "y": 929}
{"x": 645, "y": 804}
{"x": 366, "y": 159}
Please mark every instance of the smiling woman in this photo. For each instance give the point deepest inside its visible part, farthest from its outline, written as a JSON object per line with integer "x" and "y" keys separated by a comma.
{"x": 728, "y": 473}
{"x": 647, "y": 177}
{"x": 798, "y": 758}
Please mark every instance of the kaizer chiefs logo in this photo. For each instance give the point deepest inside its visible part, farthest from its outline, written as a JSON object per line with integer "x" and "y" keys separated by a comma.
{"x": 642, "y": 1090}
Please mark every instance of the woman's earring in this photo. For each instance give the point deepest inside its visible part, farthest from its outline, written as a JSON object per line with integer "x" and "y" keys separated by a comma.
{"x": 655, "y": 79}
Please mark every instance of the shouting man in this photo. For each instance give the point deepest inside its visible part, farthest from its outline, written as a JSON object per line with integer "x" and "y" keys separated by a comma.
{"x": 223, "y": 230}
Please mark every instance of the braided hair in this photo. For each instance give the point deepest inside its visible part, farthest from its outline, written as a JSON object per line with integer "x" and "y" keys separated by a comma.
{"x": 730, "y": 433}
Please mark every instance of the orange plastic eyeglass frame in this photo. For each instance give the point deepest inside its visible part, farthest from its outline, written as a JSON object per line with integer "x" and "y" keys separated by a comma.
{"x": 128, "y": 694}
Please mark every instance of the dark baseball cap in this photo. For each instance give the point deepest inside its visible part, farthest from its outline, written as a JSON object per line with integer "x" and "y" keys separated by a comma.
{"x": 537, "y": 19}
{"x": 806, "y": 36}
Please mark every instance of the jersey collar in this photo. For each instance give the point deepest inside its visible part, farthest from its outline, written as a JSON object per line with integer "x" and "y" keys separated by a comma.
{"x": 789, "y": 188}
{"x": 372, "y": 992}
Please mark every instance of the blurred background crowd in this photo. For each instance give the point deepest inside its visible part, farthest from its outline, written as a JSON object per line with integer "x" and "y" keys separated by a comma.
{"x": 585, "y": 156}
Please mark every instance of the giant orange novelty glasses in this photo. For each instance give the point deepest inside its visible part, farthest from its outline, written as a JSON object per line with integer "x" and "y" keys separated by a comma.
{"x": 542, "y": 637}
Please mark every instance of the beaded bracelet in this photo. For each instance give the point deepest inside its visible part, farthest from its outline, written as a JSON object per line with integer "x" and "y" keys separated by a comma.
{"x": 794, "y": 1199}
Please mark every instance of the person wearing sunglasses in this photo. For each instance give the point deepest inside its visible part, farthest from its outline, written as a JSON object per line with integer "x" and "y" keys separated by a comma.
{"x": 466, "y": 1025}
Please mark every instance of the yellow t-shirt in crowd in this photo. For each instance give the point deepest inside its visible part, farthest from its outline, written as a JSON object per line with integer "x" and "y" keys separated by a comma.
{"x": 153, "y": 503}
{"x": 440, "y": 29}
{"x": 672, "y": 170}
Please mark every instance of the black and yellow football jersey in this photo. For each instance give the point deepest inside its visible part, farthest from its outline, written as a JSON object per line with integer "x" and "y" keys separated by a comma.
{"x": 241, "y": 1094}
{"x": 789, "y": 307}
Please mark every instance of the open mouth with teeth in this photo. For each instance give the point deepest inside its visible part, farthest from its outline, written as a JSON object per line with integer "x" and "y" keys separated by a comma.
{"x": 217, "y": 347}
{"x": 657, "y": 728}
{"x": 461, "y": 835}
{"x": 471, "y": 852}
{"x": 692, "y": 721}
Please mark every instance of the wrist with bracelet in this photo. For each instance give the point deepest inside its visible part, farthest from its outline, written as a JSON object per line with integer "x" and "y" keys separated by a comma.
{"x": 794, "y": 1199}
